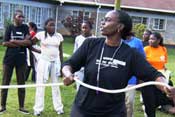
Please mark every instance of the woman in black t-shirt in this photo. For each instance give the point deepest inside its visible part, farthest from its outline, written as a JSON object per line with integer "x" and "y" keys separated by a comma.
{"x": 108, "y": 63}
{"x": 16, "y": 40}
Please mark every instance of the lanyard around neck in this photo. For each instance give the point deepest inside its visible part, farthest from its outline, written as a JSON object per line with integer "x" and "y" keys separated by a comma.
{"x": 101, "y": 57}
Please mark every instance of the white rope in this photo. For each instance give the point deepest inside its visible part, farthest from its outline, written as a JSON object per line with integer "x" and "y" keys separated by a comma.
{"x": 88, "y": 86}
{"x": 121, "y": 90}
{"x": 31, "y": 85}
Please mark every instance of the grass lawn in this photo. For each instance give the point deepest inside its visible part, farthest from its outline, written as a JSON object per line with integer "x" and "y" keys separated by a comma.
{"x": 68, "y": 93}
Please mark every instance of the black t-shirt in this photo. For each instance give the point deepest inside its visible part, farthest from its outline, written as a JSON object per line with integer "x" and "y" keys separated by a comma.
{"x": 17, "y": 55}
{"x": 114, "y": 74}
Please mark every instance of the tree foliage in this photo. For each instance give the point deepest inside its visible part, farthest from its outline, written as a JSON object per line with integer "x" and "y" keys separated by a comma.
{"x": 7, "y": 21}
{"x": 138, "y": 29}
{"x": 73, "y": 24}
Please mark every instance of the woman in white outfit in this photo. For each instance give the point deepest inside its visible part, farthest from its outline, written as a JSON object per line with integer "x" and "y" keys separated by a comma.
{"x": 49, "y": 64}
{"x": 86, "y": 28}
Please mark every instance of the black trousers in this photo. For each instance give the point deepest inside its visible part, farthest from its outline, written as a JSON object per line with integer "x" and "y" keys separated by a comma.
{"x": 31, "y": 68}
{"x": 76, "y": 112}
{"x": 152, "y": 98}
{"x": 28, "y": 69}
{"x": 20, "y": 75}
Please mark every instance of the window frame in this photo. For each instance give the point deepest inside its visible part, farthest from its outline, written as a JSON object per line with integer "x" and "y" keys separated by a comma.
{"x": 141, "y": 18}
{"x": 27, "y": 13}
{"x": 1, "y": 16}
{"x": 75, "y": 13}
{"x": 84, "y": 14}
{"x": 154, "y": 27}
{"x": 32, "y": 13}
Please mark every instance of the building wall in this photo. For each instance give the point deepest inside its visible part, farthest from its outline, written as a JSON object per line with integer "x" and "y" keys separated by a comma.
{"x": 67, "y": 10}
{"x": 168, "y": 32}
{"x": 33, "y": 11}
{"x": 38, "y": 12}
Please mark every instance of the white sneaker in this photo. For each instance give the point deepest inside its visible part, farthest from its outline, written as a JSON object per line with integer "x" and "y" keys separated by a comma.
{"x": 37, "y": 113}
{"x": 59, "y": 112}
{"x": 143, "y": 107}
{"x": 141, "y": 99}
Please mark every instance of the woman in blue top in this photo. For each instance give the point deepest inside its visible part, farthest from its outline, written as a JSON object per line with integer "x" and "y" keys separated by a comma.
{"x": 136, "y": 43}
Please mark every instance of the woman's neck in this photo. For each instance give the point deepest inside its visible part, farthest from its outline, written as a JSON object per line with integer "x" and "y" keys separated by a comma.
{"x": 113, "y": 41}
{"x": 87, "y": 35}
{"x": 51, "y": 34}
{"x": 16, "y": 24}
{"x": 155, "y": 46}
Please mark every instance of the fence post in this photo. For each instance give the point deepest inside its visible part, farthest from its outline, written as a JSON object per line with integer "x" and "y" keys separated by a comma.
{"x": 117, "y": 4}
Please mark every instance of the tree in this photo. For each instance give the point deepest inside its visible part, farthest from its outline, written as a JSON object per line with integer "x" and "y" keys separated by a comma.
{"x": 73, "y": 24}
{"x": 7, "y": 21}
{"x": 138, "y": 29}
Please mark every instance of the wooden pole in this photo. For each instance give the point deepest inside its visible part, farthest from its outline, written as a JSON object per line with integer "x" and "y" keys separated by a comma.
{"x": 117, "y": 4}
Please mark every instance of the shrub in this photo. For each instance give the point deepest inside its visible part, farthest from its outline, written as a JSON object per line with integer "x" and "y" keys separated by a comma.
{"x": 138, "y": 29}
{"x": 73, "y": 24}
{"x": 7, "y": 22}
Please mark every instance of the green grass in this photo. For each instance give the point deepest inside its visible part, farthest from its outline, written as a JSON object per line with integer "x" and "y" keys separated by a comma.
{"x": 68, "y": 45}
{"x": 68, "y": 93}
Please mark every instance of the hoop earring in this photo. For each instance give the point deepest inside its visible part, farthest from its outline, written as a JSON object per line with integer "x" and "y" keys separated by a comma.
{"x": 118, "y": 30}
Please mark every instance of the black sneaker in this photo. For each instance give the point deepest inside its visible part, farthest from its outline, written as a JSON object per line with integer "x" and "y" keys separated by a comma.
{"x": 22, "y": 110}
{"x": 2, "y": 110}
